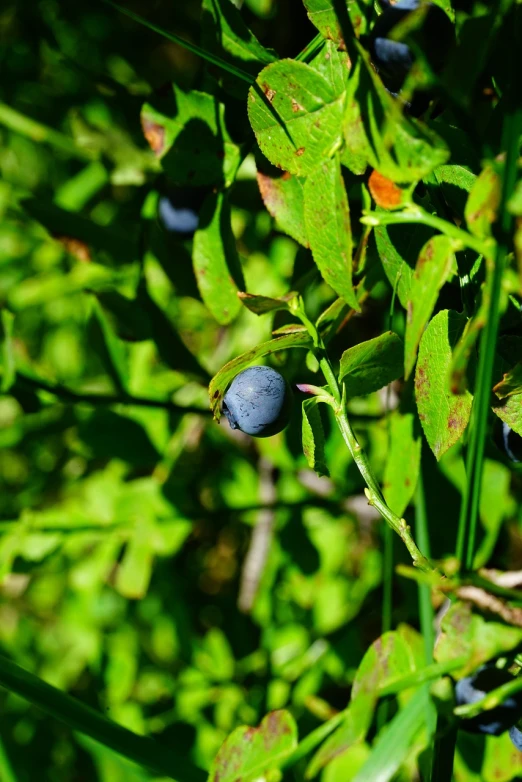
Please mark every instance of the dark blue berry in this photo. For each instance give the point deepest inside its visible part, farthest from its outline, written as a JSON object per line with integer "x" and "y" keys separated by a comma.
{"x": 180, "y": 220}
{"x": 511, "y": 443}
{"x": 516, "y": 737}
{"x": 393, "y": 59}
{"x": 473, "y": 688}
{"x": 258, "y": 402}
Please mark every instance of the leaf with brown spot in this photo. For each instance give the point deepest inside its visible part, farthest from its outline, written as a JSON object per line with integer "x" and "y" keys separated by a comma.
{"x": 469, "y": 635}
{"x": 434, "y": 265}
{"x": 259, "y": 305}
{"x": 282, "y": 194}
{"x": 327, "y": 221}
{"x": 511, "y": 383}
{"x": 295, "y": 141}
{"x": 443, "y": 414}
{"x": 483, "y": 203}
{"x": 322, "y": 14}
{"x": 249, "y": 753}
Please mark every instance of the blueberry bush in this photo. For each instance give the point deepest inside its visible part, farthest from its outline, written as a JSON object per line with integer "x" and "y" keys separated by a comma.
{"x": 304, "y": 218}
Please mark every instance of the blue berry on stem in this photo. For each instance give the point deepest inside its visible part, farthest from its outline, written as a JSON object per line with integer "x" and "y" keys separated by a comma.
{"x": 258, "y": 402}
{"x": 473, "y": 688}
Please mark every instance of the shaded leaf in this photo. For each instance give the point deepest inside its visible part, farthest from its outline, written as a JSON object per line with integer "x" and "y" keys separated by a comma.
{"x": 327, "y": 220}
{"x": 296, "y": 116}
{"x": 220, "y": 381}
{"x": 401, "y": 148}
{"x": 313, "y": 437}
{"x": 109, "y": 348}
{"x": 282, "y": 194}
{"x": 434, "y": 265}
{"x": 511, "y": 382}
{"x": 189, "y": 134}
{"x": 262, "y": 304}
{"x": 469, "y": 635}
{"x": 248, "y": 753}
{"x": 455, "y": 182}
{"x": 402, "y": 461}
{"x": 371, "y": 365}
{"x": 225, "y": 33}
{"x": 216, "y": 261}
{"x": 510, "y": 411}
{"x": 443, "y": 414}
{"x": 113, "y": 436}
{"x": 398, "y": 248}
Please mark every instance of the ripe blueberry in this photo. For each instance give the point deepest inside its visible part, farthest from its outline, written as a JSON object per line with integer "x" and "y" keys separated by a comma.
{"x": 179, "y": 210}
{"x": 473, "y": 688}
{"x": 393, "y": 59}
{"x": 516, "y": 737}
{"x": 510, "y": 443}
{"x": 258, "y": 402}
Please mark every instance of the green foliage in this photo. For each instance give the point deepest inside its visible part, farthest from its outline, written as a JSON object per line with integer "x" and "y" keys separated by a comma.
{"x": 168, "y": 584}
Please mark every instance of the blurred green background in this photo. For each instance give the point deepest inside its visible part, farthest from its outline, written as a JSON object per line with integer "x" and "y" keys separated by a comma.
{"x": 124, "y": 527}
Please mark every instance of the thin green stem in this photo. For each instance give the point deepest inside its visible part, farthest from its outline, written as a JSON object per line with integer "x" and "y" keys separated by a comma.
{"x": 41, "y": 134}
{"x": 190, "y": 47}
{"x": 416, "y": 214}
{"x": 425, "y": 606}
{"x": 479, "y": 418}
{"x": 141, "y": 749}
{"x": 306, "y": 54}
{"x": 6, "y": 772}
{"x": 373, "y": 492}
{"x": 38, "y": 384}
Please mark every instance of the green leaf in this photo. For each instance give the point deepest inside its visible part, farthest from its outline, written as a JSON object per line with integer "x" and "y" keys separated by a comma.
{"x": 324, "y": 17}
{"x": 401, "y": 149}
{"x": 8, "y": 358}
{"x": 282, "y": 194}
{"x": 296, "y": 116}
{"x": 188, "y": 133}
{"x": 216, "y": 262}
{"x": 220, "y": 382}
{"x": 109, "y": 348}
{"x": 313, "y": 437}
{"x": 260, "y": 305}
{"x": 398, "y": 249}
{"x": 135, "y": 570}
{"x": 334, "y": 64}
{"x": 443, "y": 414}
{"x": 483, "y": 203}
{"x": 225, "y": 34}
{"x": 434, "y": 265}
{"x": 469, "y": 635}
{"x": 511, "y": 382}
{"x": 371, "y": 365}
{"x": 327, "y": 220}
{"x": 402, "y": 461}
{"x": 393, "y": 743}
{"x": 510, "y": 411}
{"x": 249, "y": 753}
{"x": 344, "y": 767}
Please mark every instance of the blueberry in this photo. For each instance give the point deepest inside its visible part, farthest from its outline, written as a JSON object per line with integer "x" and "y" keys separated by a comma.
{"x": 516, "y": 737}
{"x": 473, "y": 688}
{"x": 179, "y": 210}
{"x": 258, "y": 402}
{"x": 393, "y": 59}
{"x": 511, "y": 443}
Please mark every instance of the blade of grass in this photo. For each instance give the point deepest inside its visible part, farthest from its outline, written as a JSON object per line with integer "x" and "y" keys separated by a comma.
{"x": 479, "y": 417}
{"x": 188, "y": 45}
{"x": 306, "y": 54}
{"x": 6, "y": 772}
{"x": 141, "y": 749}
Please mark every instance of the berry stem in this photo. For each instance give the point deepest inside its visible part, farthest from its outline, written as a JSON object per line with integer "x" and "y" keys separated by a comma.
{"x": 338, "y": 404}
